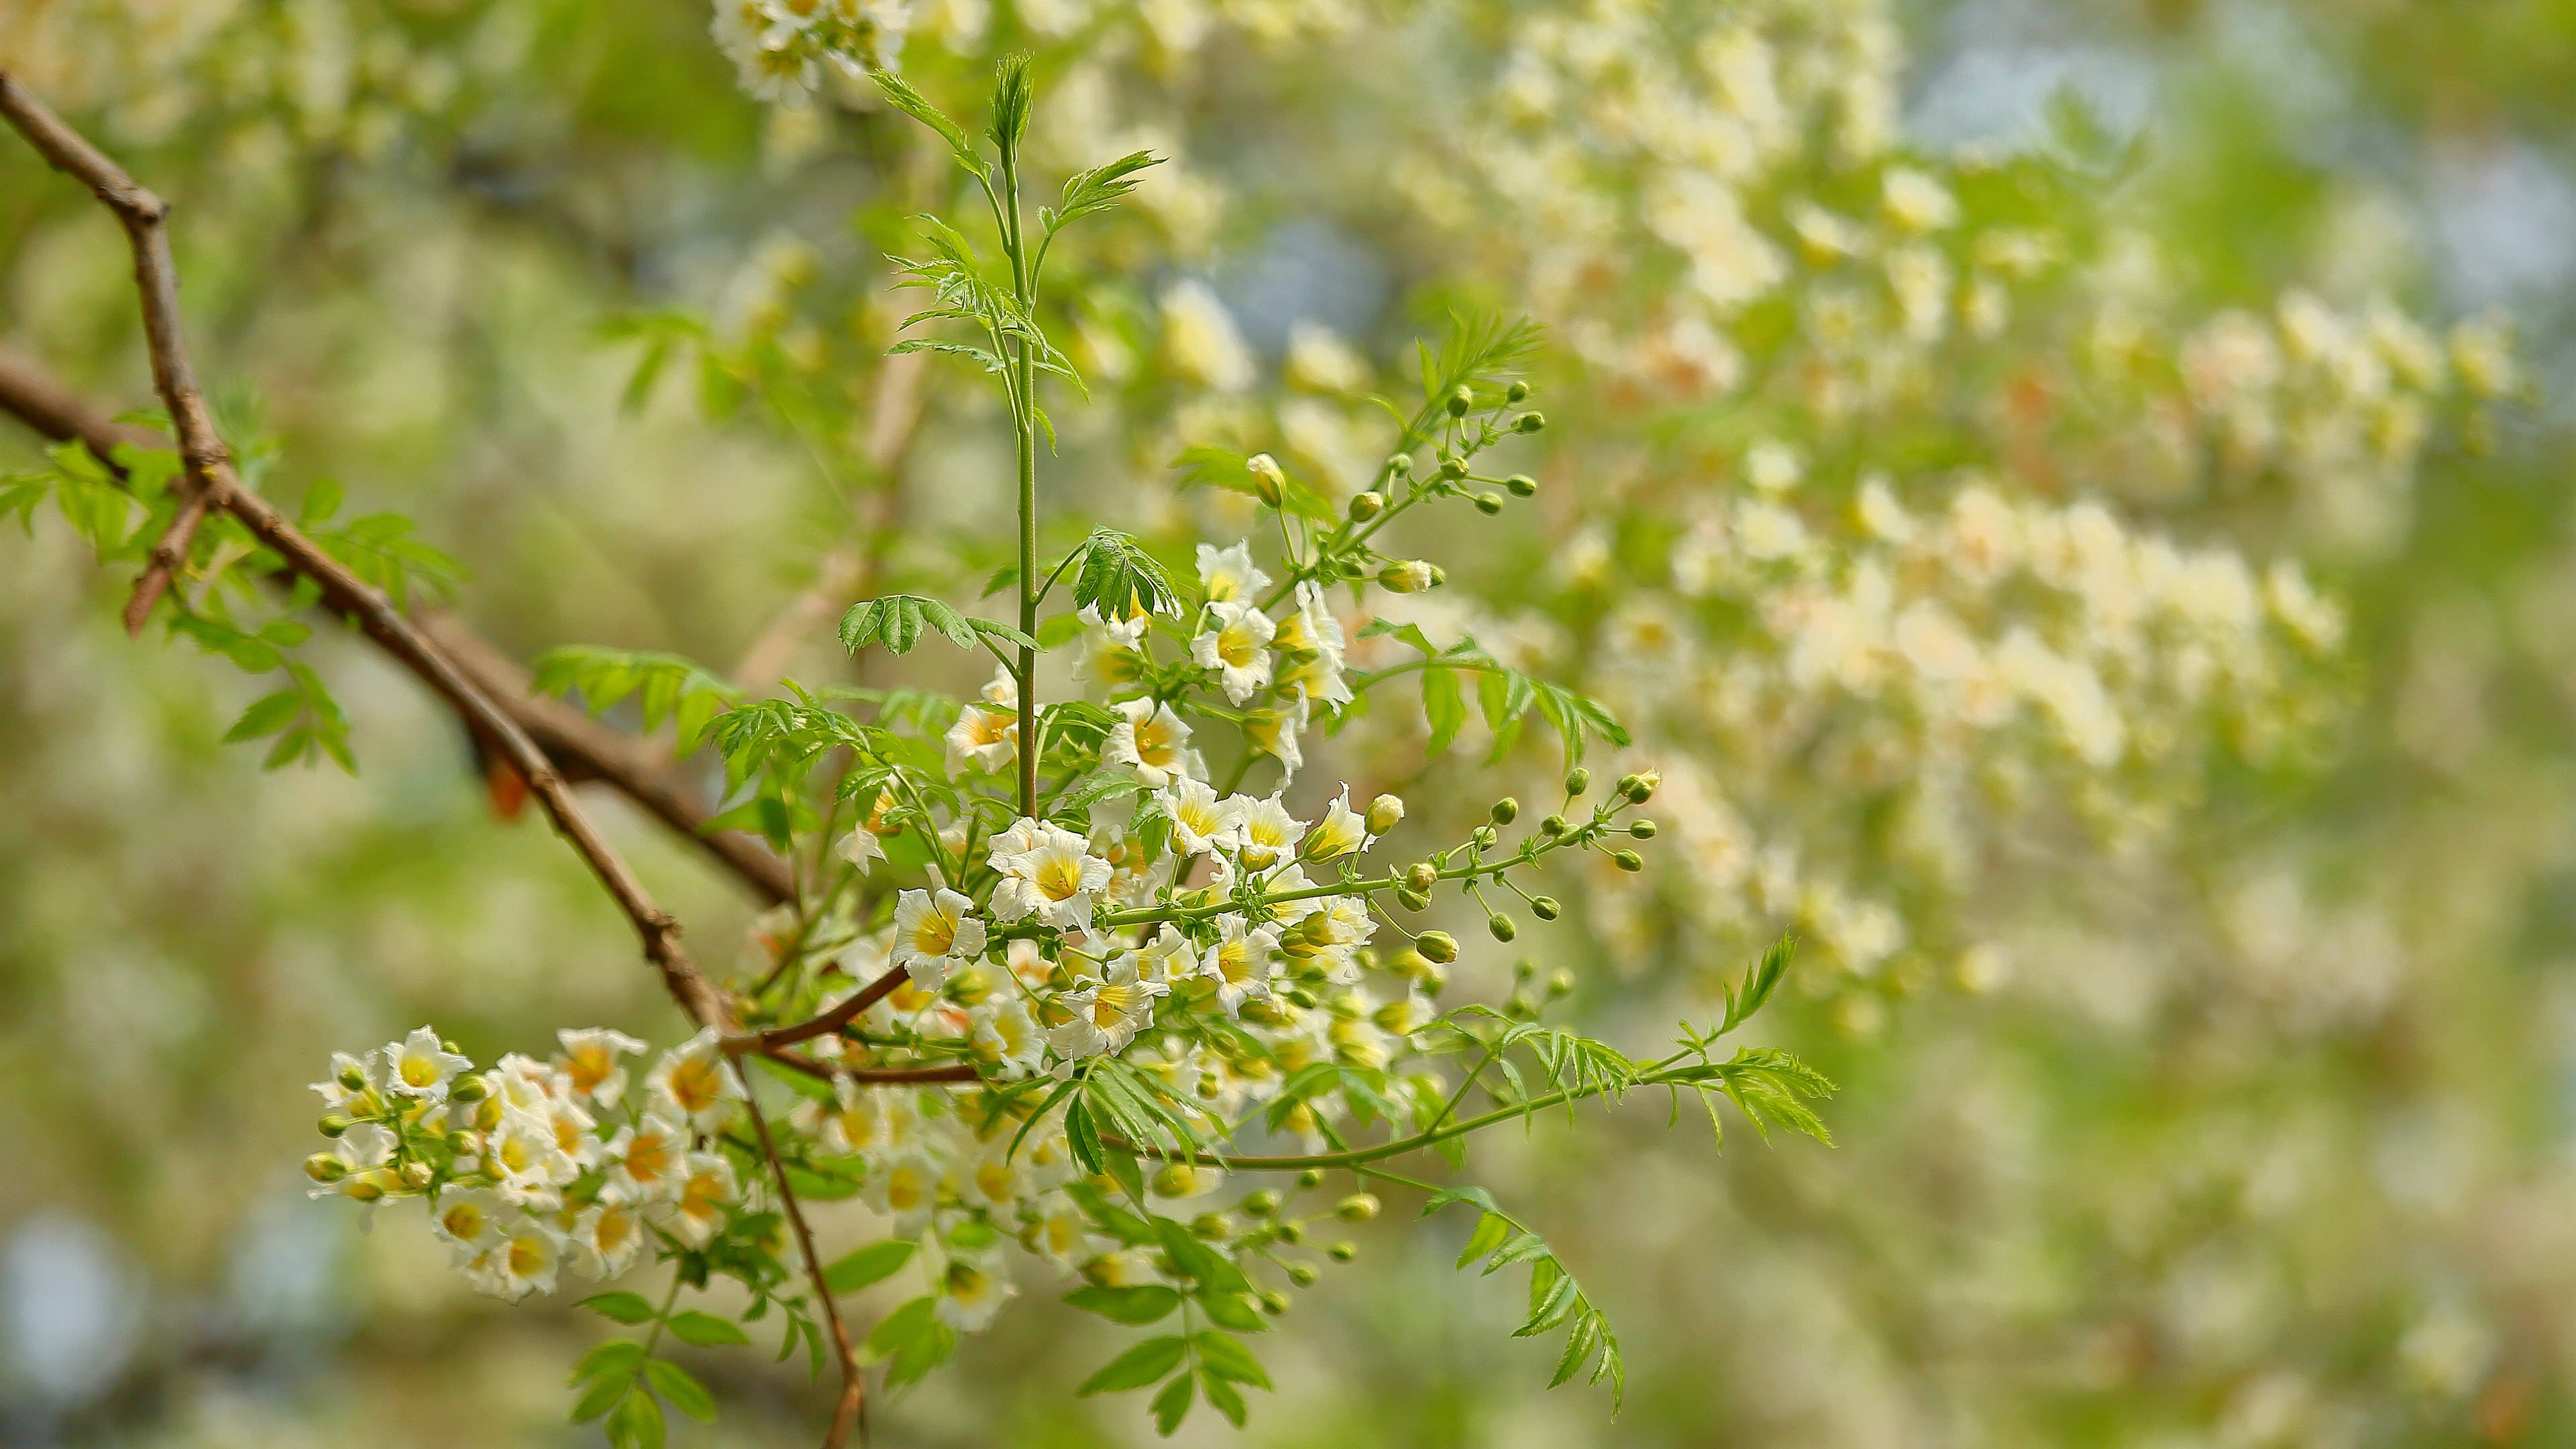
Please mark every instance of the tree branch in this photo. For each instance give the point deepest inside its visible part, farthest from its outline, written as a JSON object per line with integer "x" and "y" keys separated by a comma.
{"x": 836, "y": 1018}
{"x": 845, "y": 1414}
{"x": 582, "y": 747}
{"x": 214, "y": 486}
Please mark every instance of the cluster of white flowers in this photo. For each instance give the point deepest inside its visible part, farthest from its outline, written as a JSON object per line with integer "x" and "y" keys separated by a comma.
{"x": 532, "y": 1167}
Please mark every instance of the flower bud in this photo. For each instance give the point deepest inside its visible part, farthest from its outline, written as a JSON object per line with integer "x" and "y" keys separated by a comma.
{"x": 366, "y": 1189}
{"x": 1268, "y": 482}
{"x": 1577, "y": 780}
{"x": 1522, "y": 485}
{"x": 1432, "y": 980}
{"x": 1560, "y": 982}
{"x": 1453, "y": 468}
{"x": 1262, "y": 1204}
{"x": 1439, "y": 576}
{"x": 1368, "y": 505}
{"x": 1489, "y": 504}
{"x": 1342, "y": 1252}
{"x": 1552, "y": 827}
{"x": 415, "y": 1175}
{"x": 1359, "y": 1207}
{"x": 1301, "y": 1274}
{"x": 1517, "y": 391}
{"x": 1438, "y": 947}
{"x": 1410, "y": 576}
{"x": 1400, "y": 464}
{"x": 1484, "y": 837}
{"x": 334, "y": 1124}
{"x": 1289, "y": 1231}
{"x": 1529, "y": 422}
{"x": 1460, "y": 400}
{"x": 1640, "y": 787}
{"x": 1630, "y": 861}
{"x": 1384, "y": 814}
{"x": 1214, "y": 1227}
{"x": 1176, "y": 1179}
{"x": 1273, "y": 1302}
{"x": 325, "y": 1167}
{"x": 1546, "y": 908}
{"x": 487, "y": 1114}
{"x": 469, "y": 1089}
{"x": 1520, "y": 1007}
{"x": 1410, "y": 899}
{"x": 1300, "y": 996}
{"x": 1502, "y": 927}
{"x": 354, "y": 1077}
{"x": 1506, "y": 810}
{"x": 1421, "y": 878}
{"x": 1642, "y": 829}
{"x": 1311, "y": 1177}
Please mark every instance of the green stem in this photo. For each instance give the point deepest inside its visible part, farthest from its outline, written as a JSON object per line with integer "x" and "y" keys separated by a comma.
{"x": 1025, "y": 424}
{"x": 664, "y": 1316}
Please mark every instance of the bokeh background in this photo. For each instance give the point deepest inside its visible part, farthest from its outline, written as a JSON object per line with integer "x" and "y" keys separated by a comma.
{"x": 2072, "y": 496}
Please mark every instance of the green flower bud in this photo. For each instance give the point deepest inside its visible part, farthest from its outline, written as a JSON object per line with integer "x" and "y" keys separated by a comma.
{"x": 1630, "y": 861}
{"x": 1268, "y": 482}
{"x": 1421, "y": 878}
{"x": 1432, "y": 980}
{"x": 354, "y": 1077}
{"x": 1289, "y": 1231}
{"x": 1176, "y": 1179}
{"x": 1485, "y": 837}
{"x": 1577, "y": 780}
{"x": 1560, "y": 982}
{"x": 1438, "y": 947}
{"x": 365, "y": 1189}
{"x": 1384, "y": 814}
{"x": 1545, "y": 908}
{"x": 1408, "y": 576}
{"x": 1300, "y": 996}
{"x": 1273, "y": 1302}
{"x": 1529, "y": 422}
{"x": 1489, "y": 504}
{"x": 1342, "y": 1252}
{"x": 1359, "y": 1207}
{"x": 1552, "y": 827}
{"x": 1365, "y": 506}
{"x": 468, "y": 1089}
{"x": 324, "y": 1167}
{"x": 1506, "y": 810}
{"x": 1522, "y": 485}
{"x": 1411, "y": 899}
{"x": 1301, "y": 1274}
{"x": 1453, "y": 469}
{"x": 1262, "y": 1204}
{"x": 1642, "y": 829}
{"x": 415, "y": 1175}
{"x": 334, "y": 1124}
{"x": 1502, "y": 927}
{"x": 1460, "y": 401}
{"x": 1400, "y": 464}
{"x": 1439, "y": 576}
{"x": 1520, "y": 1007}
{"x": 1641, "y": 787}
{"x": 1517, "y": 391}
{"x": 1524, "y": 968}
{"x": 1214, "y": 1227}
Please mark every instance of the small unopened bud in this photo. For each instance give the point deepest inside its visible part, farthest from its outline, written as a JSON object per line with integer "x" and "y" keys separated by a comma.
{"x": 1546, "y": 908}
{"x": 353, "y": 1077}
{"x": 1489, "y": 504}
{"x": 1384, "y": 814}
{"x": 1177, "y": 1179}
{"x": 1438, "y": 947}
{"x": 1524, "y": 968}
{"x": 1552, "y": 827}
{"x": 1502, "y": 927}
{"x": 1421, "y": 878}
{"x": 1522, "y": 485}
{"x": 1289, "y": 1231}
{"x": 1640, "y": 787}
{"x": 487, "y": 1114}
{"x": 1432, "y": 980}
{"x": 1410, "y": 899}
{"x": 1560, "y": 982}
{"x": 1520, "y": 1007}
{"x": 468, "y": 1089}
{"x": 1642, "y": 829}
{"x": 1506, "y": 810}
{"x": 1439, "y": 576}
{"x": 334, "y": 1124}
{"x": 1630, "y": 861}
{"x": 365, "y": 1189}
{"x": 1453, "y": 468}
{"x": 1342, "y": 1252}
{"x": 1300, "y": 996}
{"x": 1517, "y": 391}
{"x": 1214, "y": 1227}
{"x": 1400, "y": 464}
{"x": 1268, "y": 482}
{"x": 1368, "y": 505}
{"x": 1577, "y": 780}
{"x": 1302, "y": 1274}
{"x": 1529, "y": 422}
{"x": 1311, "y": 1177}
{"x": 1408, "y": 576}
{"x": 324, "y": 1167}
{"x": 1460, "y": 400}
{"x": 1262, "y": 1204}
{"x": 1359, "y": 1207}
{"x": 1273, "y": 1302}
{"x": 1484, "y": 837}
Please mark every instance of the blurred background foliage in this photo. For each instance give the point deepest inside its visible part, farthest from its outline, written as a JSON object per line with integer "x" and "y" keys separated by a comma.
{"x": 2206, "y": 1037}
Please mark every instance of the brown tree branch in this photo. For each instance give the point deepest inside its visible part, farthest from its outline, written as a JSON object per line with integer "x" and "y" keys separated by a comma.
{"x": 212, "y": 480}
{"x": 582, "y": 747}
{"x": 845, "y": 1414}
{"x": 833, "y": 1020}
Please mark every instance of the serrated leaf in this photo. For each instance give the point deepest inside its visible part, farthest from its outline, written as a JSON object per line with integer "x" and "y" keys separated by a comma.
{"x": 1225, "y": 1356}
{"x": 1172, "y": 1405}
{"x": 1443, "y": 710}
{"x": 1142, "y": 1364}
{"x": 914, "y": 104}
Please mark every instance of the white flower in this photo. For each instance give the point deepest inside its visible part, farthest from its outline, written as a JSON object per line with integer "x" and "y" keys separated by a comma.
{"x": 1268, "y": 833}
{"x": 1341, "y": 832}
{"x": 337, "y": 1093}
{"x": 573, "y": 1135}
{"x": 607, "y": 1239}
{"x": 1228, "y": 574}
{"x": 527, "y": 1160}
{"x": 992, "y": 1177}
{"x": 590, "y": 1062}
{"x": 971, "y": 1291}
{"x": 705, "y": 1192}
{"x": 866, "y": 1119}
{"x": 934, "y": 935}
{"x": 1201, "y": 820}
{"x": 1168, "y": 957}
{"x": 419, "y": 1066}
{"x": 1200, "y": 338}
{"x": 1108, "y": 1013}
{"x": 646, "y": 1162}
{"x": 1242, "y": 963}
{"x": 862, "y": 845}
{"x": 905, "y": 1189}
{"x": 525, "y": 1261}
{"x": 1916, "y": 202}
{"x": 1772, "y": 467}
{"x": 1274, "y": 732}
{"x": 693, "y": 1078}
{"x": 470, "y": 1220}
{"x": 1007, "y": 1038}
{"x": 1236, "y": 645}
{"x": 983, "y": 737}
{"x": 1320, "y": 361}
{"x": 1152, "y": 742}
{"x": 1047, "y": 871}
{"x": 1310, "y": 643}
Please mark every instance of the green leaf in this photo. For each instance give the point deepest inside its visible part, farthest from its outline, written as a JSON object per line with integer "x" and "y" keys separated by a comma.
{"x": 1119, "y": 579}
{"x": 1099, "y": 189}
{"x": 1137, "y": 1306}
{"x": 680, "y": 1389}
{"x": 637, "y": 1424}
{"x": 1443, "y": 709}
{"x": 872, "y": 1264}
{"x": 1011, "y": 95}
{"x": 1172, "y": 1405}
{"x": 1210, "y": 1268}
{"x": 912, "y": 103}
{"x": 1225, "y": 1356}
{"x": 617, "y": 1356}
{"x": 1235, "y": 1311}
{"x": 1491, "y": 1230}
{"x": 603, "y": 1395}
{"x": 899, "y": 619}
{"x": 266, "y": 716}
{"x": 1143, "y": 1364}
{"x": 623, "y": 1307}
{"x": 1225, "y": 1397}
{"x": 705, "y": 1329}
{"x": 912, "y": 1341}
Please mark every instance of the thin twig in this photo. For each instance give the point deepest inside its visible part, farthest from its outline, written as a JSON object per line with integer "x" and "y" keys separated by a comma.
{"x": 211, "y": 474}
{"x": 582, "y": 747}
{"x": 958, "y": 1072}
{"x": 854, "y": 1381}
{"x": 839, "y": 1016}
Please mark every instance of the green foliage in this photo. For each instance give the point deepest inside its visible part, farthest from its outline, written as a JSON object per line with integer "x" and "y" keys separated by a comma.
{"x": 667, "y": 687}
{"x": 869, "y": 1265}
{"x": 1504, "y": 695}
{"x": 1118, "y": 579}
{"x": 1555, "y": 1300}
{"x": 898, "y": 621}
{"x": 911, "y": 1341}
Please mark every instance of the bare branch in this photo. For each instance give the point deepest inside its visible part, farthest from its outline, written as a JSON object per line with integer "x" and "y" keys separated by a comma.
{"x": 211, "y": 477}
{"x": 845, "y": 1414}
{"x": 836, "y": 1018}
